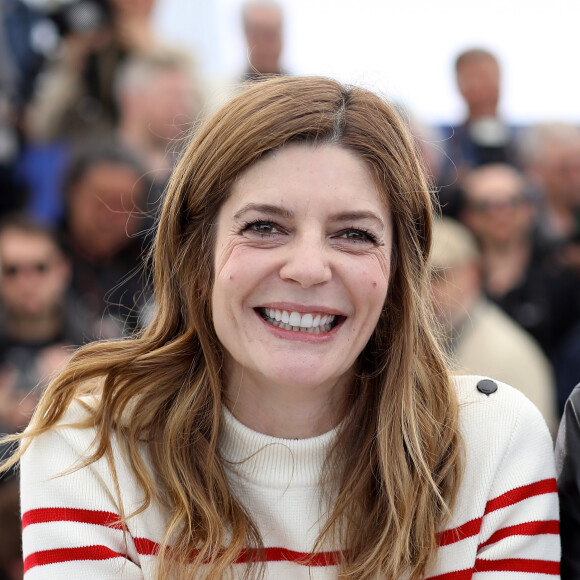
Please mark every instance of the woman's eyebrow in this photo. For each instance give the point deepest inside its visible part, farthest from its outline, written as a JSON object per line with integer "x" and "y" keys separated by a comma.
{"x": 357, "y": 215}
{"x": 274, "y": 210}
{"x": 278, "y": 211}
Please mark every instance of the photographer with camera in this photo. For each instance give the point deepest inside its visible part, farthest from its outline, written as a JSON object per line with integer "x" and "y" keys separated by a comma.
{"x": 74, "y": 96}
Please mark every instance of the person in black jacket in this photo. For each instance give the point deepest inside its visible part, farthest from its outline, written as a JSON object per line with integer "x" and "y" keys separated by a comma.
{"x": 568, "y": 469}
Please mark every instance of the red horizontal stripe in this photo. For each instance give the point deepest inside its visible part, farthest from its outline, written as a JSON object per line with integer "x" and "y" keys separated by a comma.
{"x": 527, "y": 529}
{"x": 146, "y": 547}
{"x": 457, "y": 575}
{"x": 273, "y": 554}
{"x": 473, "y": 527}
{"x": 68, "y": 555}
{"x": 459, "y": 533}
{"x": 520, "y": 493}
{"x": 507, "y": 565}
{"x": 45, "y": 515}
{"x": 518, "y": 565}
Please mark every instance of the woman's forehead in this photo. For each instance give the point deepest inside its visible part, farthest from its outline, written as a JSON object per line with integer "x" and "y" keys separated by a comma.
{"x": 311, "y": 174}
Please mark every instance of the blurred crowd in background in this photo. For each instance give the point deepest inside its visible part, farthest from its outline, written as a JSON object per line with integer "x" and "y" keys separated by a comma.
{"x": 94, "y": 110}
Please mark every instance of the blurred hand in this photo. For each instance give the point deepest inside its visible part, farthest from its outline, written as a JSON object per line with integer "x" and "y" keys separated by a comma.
{"x": 133, "y": 8}
{"x": 570, "y": 256}
{"x": 50, "y": 361}
{"x": 16, "y": 408}
{"x": 77, "y": 47}
{"x": 133, "y": 27}
{"x": 17, "y": 405}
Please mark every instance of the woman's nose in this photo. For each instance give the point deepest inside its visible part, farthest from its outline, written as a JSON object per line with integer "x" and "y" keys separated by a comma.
{"x": 307, "y": 264}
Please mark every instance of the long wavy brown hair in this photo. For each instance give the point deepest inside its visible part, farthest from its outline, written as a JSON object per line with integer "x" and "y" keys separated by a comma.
{"x": 161, "y": 392}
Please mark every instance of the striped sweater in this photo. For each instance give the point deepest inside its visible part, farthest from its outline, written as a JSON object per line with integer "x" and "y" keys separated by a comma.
{"x": 504, "y": 524}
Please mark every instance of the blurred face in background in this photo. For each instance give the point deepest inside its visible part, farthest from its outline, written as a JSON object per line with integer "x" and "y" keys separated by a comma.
{"x": 452, "y": 289}
{"x": 497, "y": 210}
{"x": 34, "y": 273}
{"x": 103, "y": 209}
{"x": 456, "y": 273}
{"x": 478, "y": 81}
{"x": 169, "y": 104}
{"x": 263, "y": 29}
{"x": 559, "y": 173}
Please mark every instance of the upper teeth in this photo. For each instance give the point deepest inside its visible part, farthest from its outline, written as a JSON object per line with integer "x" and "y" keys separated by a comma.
{"x": 307, "y": 320}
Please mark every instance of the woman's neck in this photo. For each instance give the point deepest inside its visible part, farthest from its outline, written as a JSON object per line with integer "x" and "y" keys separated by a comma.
{"x": 269, "y": 461}
{"x": 285, "y": 411}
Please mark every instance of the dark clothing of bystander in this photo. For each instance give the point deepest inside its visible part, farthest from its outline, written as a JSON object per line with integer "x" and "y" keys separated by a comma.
{"x": 568, "y": 470}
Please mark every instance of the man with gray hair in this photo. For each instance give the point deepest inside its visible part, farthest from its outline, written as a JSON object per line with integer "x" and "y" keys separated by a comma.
{"x": 482, "y": 339}
{"x": 159, "y": 99}
{"x": 551, "y": 155}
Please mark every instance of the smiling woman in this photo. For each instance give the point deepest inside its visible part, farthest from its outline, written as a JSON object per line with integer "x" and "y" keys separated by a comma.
{"x": 288, "y": 412}
{"x": 303, "y": 248}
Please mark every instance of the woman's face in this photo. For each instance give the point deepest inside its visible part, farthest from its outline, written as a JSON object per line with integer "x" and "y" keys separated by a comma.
{"x": 302, "y": 265}
{"x": 104, "y": 209}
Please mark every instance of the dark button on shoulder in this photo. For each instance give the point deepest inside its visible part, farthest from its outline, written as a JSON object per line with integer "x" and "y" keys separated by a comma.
{"x": 487, "y": 386}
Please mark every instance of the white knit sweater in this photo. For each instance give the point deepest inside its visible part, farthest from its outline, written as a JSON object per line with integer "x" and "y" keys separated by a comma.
{"x": 504, "y": 526}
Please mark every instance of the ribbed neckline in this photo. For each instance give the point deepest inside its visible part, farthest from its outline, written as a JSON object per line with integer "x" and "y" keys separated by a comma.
{"x": 271, "y": 461}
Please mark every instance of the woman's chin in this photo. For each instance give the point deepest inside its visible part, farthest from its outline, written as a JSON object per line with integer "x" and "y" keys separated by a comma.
{"x": 304, "y": 379}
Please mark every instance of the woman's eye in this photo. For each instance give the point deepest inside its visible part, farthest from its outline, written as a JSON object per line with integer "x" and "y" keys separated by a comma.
{"x": 357, "y": 236}
{"x": 263, "y": 228}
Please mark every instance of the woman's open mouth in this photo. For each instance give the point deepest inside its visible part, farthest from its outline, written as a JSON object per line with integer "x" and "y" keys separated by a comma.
{"x": 310, "y": 322}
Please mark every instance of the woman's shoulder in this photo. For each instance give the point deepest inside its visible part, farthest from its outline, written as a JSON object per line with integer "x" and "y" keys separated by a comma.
{"x": 507, "y": 484}
{"x": 493, "y": 416}
{"x": 73, "y": 448}
{"x": 507, "y": 444}
{"x": 68, "y": 499}
{"x": 492, "y": 410}
{"x": 72, "y": 437}
{"x": 487, "y": 395}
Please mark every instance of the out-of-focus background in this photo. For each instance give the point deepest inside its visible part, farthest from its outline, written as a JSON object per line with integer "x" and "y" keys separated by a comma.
{"x": 96, "y": 97}
{"x": 405, "y": 49}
